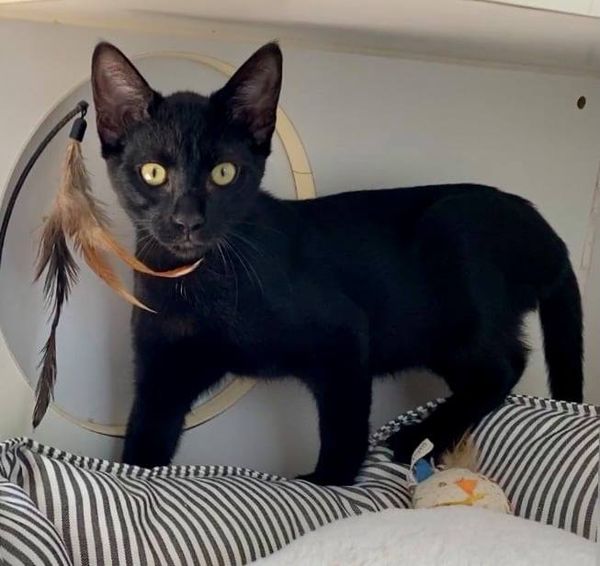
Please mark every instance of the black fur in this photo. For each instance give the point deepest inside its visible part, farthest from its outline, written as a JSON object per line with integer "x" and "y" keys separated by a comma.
{"x": 333, "y": 291}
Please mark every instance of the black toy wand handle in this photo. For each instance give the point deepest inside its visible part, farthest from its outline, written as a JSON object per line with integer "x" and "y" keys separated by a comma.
{"x": 78, "y": 130}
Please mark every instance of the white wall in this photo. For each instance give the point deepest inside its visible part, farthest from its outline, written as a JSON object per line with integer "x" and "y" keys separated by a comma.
{"x": 591, "y": 307}
{"x": 365, "y": 122}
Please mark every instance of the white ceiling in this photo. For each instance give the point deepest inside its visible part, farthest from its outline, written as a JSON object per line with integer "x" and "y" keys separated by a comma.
{"x": 472, "y": 30}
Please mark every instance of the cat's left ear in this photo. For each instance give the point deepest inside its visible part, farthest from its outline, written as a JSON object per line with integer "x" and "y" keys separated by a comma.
{"x": 251, "y": 95}
{"x": 122, "y": 97}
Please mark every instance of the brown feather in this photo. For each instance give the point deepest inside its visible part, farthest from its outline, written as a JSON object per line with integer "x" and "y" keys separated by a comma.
{"x": 106, "y": 240}
{"x": 98, "y": 264}
{"x": 44, "y": 390}
{"x": 78, "y": 216}
{"x": 54, "y": 254}
{"x": 462, "y": 455}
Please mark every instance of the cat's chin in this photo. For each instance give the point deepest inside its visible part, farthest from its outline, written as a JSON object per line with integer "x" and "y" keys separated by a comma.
{"x": 187, "y": 251}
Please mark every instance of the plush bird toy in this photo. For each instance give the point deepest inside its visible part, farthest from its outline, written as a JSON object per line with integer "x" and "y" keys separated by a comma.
{"x": 78, "y": 217}
{"x": 456, "y": 482}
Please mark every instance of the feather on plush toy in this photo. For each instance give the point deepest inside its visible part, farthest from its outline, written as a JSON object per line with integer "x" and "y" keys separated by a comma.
{"x": 77, "y": 216}
{"x": 456, "y": 482}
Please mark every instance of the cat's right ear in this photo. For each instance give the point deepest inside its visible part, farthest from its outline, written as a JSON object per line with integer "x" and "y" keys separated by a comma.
{"x": 250, "y": 96}
{"x": 122, "y": 97}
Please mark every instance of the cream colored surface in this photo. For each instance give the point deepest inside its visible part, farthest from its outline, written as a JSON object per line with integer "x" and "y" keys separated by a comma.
{"x": 365, "y": 122}
{"x": 450, "y": 536}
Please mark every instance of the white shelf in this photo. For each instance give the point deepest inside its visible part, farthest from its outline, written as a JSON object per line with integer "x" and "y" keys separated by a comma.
{"x": 466, "y": 30}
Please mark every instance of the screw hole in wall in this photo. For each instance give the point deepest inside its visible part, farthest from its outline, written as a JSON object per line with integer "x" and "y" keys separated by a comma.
{"x": 581, "y": 102}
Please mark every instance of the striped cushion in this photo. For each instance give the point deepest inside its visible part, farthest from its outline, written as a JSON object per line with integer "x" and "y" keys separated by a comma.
{"x": 110, "y": 513}
{"x": 66, "y": 509}
{"x": 26, "y": 535}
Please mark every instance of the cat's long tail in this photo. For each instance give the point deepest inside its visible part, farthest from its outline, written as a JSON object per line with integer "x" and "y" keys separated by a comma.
{"x": 562, "y": 325}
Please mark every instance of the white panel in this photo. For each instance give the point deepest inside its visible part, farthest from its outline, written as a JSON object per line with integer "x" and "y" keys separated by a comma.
{"x": 366, "y": 122}
{"x": 592, "y": 310}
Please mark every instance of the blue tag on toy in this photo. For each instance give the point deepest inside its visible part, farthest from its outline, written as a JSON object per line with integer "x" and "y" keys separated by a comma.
{"x": 422, "y": 470}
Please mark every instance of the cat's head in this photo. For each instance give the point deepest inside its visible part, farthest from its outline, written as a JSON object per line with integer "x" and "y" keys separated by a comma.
{"x": 186, "y": 167}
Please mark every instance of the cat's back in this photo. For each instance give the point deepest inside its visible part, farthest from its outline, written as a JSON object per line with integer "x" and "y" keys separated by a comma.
{"x": 378, "y": 207}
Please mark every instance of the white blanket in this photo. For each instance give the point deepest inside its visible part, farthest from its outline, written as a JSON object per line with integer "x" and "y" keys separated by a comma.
{"x": 449, "y": 536}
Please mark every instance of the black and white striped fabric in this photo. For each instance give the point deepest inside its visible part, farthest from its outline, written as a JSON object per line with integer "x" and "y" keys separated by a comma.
{"x": 110, "y": 513}
{"x": 59, "y": 509}
{"x": 26, "y": 535}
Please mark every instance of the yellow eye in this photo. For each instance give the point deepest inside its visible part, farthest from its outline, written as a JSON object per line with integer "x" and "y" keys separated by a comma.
{"x": 223, "y": 174}
{"x": 153, "y": 174}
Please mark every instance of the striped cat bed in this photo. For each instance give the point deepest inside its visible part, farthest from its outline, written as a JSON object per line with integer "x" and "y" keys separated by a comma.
{"x": 59, "y": 509}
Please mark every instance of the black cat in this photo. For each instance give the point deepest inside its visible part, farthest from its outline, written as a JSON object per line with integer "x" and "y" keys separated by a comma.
{"x": 332, "y": 291}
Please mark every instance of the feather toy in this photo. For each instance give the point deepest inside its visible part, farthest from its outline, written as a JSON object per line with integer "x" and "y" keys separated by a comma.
{"x": 78, "y": 217}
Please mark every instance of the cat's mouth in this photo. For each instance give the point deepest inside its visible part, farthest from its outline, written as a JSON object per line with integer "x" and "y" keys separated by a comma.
{"x": 188, "y": 249}
{"x": 184, "y": 248}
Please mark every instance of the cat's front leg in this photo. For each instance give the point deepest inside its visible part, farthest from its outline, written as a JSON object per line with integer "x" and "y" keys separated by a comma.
{"x": 343, "y": 399}
{"x": 169, "y": 377}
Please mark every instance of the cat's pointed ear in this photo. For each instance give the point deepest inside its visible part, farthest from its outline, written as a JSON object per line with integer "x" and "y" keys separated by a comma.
{"x": 251, "y": 95}
{"x": 122, "y": 96}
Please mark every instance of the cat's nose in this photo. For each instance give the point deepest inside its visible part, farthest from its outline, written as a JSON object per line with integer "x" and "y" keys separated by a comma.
{"x": 188, "y": 222}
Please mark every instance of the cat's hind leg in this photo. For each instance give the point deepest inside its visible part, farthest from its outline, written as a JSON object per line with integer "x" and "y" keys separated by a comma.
{"x": 478, "y": 387}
